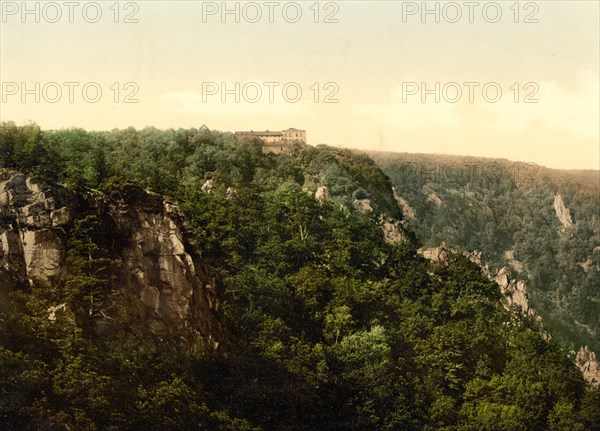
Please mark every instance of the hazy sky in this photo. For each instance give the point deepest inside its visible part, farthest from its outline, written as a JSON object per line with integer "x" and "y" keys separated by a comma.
{"x": 382, "y": 64}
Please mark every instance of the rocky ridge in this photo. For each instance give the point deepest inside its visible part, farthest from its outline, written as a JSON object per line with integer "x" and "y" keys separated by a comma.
{"x": 155, "y": 275}
{"x": 514, "y": 294}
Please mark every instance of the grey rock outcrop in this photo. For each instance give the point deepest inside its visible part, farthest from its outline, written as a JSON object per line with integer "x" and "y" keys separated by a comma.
{"x": 476, "y": 257}
{"x": 208, "y": 186}
{"x": 436, "y": 254}
{"x": 514, "y": 293}
{"x": 155, "y": 275}
{"x": 407, "y": 210}
{"x": 394, "y": 231}
{"x": 322, "y": 194}
{"x": 32, "y": 232}
{"x": 158, "y": 271}
{"x": 562, "y": 212}
{"x": 588, "y": 364}
{"x": 363, "y": 205}
{"x": 231, "y": 193}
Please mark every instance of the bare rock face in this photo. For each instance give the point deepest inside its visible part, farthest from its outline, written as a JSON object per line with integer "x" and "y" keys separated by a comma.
{"x": 476, "y": 257}
{"x": 208, "y": 186}
{"x": 394, "y": 231}
{"x": 231, "y": 193}
{"x": 407, "y": 210}
{"x": 562, "y": 212}
{"x": 587, "y": 363}
{"x": 163, "y": 280}
{"x": 32, "y": 232}
{"x": 363, "y": 205}
{"x": 322, "y": 194}
{"x": 514, "y": 293}
{"x": 435, "y": 254}
{"x": 155, "y": 275}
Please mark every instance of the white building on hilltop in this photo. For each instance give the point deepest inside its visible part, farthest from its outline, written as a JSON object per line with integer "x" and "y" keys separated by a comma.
{"x": 276, "y": 142}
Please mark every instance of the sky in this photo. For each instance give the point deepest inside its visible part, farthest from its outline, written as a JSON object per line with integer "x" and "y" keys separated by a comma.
{"x": 516, "y": 80}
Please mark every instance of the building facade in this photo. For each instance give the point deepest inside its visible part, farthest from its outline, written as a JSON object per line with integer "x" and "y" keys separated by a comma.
{"x": 292, "y": 134}
{"x": 276, "y": 142}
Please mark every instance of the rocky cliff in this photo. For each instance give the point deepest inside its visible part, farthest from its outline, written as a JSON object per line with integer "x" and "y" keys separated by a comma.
{"x": 562, "y": 212}
{"x": 514, "y": 293}
{"x": 155, "y": 275}
{"x": 589, "y": 366}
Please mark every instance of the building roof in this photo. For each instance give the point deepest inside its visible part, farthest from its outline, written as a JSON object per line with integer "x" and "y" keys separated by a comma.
{"x": 263, "y": 133}
{"x": 291, "y": 129}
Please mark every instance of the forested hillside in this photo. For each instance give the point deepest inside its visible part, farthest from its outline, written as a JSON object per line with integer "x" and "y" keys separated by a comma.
{"x": 512, "y": 212}
{"x": 324, "y": 325}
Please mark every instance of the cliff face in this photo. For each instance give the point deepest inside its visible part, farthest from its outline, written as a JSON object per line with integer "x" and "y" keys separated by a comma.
{"x": 32, "y": 232}
{"x": 589, "y": 366}
{"x": 155, "y": 276}
{"x": 562, "y": 212}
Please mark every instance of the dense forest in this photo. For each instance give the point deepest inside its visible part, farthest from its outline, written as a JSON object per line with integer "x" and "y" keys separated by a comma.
{"x": 506, "y": 209}
{"x": 328, "y": 325}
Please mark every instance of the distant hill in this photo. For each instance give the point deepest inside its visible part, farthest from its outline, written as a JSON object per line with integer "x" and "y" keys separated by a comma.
{"x": 512, "y": 212}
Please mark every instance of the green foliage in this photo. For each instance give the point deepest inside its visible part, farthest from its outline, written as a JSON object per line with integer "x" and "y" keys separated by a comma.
{"x": 87, "y": 280}
{"x": 27, "y": 149}
{"x": 500, "y": 207}
{"x": 329, "y": 327}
